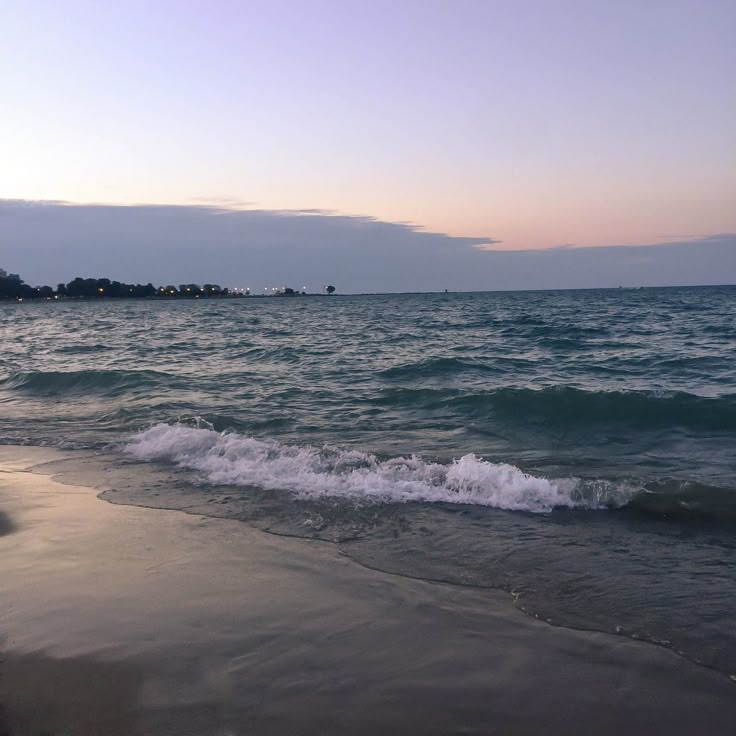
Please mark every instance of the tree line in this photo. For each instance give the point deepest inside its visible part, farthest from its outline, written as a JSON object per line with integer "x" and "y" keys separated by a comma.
{"x": 13, "y": 287}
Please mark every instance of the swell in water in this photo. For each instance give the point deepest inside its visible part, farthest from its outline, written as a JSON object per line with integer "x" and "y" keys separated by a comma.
{"x": 560, "y": 405}
{"x": 555, "y": 404}
{"x": 86, "y": 382}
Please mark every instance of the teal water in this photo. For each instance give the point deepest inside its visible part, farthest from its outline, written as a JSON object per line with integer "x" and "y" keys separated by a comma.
{"x": 574, "y": 448}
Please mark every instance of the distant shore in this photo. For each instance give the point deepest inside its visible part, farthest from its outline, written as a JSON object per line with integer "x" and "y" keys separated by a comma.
{"x": 155, "y": 297}
{"x": 12, "y": 287}
{"x": 165, "y": 293}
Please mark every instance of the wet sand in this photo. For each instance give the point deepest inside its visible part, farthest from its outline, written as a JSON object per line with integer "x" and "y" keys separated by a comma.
{"x": 120, "y": 620}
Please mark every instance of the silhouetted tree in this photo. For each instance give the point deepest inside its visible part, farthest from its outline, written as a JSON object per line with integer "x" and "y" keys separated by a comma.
{"x": 330, "y": 289}
{"x": 190, "y": 290}
{"x": 148, "y": 290}
{"x": 12, "y": 287}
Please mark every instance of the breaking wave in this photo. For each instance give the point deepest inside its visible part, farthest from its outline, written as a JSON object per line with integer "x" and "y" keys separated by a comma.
{"x": 310, "y": 472}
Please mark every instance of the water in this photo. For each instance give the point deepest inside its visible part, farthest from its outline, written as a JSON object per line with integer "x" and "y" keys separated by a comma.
{"x": 573, "y": 448}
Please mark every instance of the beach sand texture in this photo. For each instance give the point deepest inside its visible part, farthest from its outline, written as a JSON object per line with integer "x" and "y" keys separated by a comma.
{"x": 127, "y": 621}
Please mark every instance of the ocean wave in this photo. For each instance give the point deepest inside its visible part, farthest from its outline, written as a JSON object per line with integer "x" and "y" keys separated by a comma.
{"x": 685, "y": 500}
{"x": 564, "y": 405}
{"x": 282, "y": 354}
{"x": 224, "y": 458}
{"x": 89, "y": 381}
{"x": 638, "y": 408}
{"x": 83, "y": 348}
{"x": 436, "y": 367}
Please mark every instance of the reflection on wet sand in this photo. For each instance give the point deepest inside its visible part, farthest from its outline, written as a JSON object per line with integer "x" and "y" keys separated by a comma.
{"x": 124, "y": 620}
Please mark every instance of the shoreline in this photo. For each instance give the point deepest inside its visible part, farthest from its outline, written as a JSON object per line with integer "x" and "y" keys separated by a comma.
{"x": 130, "y": 620}
{"x": 440, "y": 292}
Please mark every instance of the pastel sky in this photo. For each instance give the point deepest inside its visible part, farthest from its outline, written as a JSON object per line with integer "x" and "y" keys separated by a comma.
{"x": 521, "y": 123}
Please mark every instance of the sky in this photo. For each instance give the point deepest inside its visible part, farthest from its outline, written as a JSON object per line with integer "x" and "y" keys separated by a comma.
{"x": 519, "y": 125}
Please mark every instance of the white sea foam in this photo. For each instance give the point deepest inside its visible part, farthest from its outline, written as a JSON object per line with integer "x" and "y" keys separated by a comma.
{"x": 310, "y": 472}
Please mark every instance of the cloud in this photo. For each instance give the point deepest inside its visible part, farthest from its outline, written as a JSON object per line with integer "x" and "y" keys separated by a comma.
{"x": 228, "y": 202}
{"x": 48, "y": 242}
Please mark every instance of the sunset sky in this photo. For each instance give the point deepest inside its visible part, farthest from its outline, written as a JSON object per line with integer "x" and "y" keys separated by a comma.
{"x": 530, "y": 123}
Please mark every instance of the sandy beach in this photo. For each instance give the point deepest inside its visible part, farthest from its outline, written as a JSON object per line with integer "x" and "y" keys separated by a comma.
{"x": 120, "y": 620}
